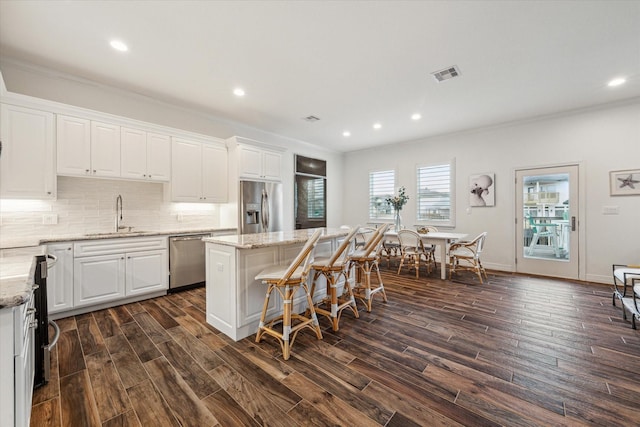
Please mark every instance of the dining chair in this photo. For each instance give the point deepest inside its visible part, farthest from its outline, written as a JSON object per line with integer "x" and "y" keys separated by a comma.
{"x": 467, "y": 253}
{"x": 626, "y": 288}
{"x": 412, "y": 251}
{"x": 429, "y": 249}
{"x": 286, "y": 280}
{"x": 390, "y": 247}
{"x": 365, "y": 261}
{"x": 333, "y": 269}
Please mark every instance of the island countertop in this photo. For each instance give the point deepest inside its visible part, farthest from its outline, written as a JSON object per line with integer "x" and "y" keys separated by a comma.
{"x": 277, "y": 238}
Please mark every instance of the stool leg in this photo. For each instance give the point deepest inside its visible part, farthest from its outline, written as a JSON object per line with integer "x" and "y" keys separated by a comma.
{"x": 332, "y": 287}
{"x": 381, "y": 285}
{"x": 314, "y": 317}
{"x": 352, "y": 299}
{"x": 264, "y": 313}
{"x": 286, "y": 322}
{"x": 367, "y": 285}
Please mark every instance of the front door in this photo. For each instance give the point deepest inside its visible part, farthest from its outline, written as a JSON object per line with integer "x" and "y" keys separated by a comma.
{"x": 547, "y": 221}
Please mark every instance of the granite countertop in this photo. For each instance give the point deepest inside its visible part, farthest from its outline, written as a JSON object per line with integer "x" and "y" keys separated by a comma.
{"x": 263, "y": 240}
{"x": 17, "y": 269}
{"x": 23, "y": 243}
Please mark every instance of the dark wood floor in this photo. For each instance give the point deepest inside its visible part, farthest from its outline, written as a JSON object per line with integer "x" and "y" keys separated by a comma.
{"x": 516, "y": 351}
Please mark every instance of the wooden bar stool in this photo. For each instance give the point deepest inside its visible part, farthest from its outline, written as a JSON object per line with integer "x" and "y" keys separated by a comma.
{"x": 286, "y": 280}
{"x": 365, "y": 261}
{"x": 333, "y": 268}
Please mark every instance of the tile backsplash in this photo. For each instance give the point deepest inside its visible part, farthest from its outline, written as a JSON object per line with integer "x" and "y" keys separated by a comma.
{"x": 88, "y": 205}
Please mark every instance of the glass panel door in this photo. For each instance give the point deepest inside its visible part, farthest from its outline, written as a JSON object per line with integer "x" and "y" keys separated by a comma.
{"x": 547, "y": 215}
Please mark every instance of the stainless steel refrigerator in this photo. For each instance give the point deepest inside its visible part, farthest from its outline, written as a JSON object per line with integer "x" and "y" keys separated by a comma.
{"x": 261, "y": 207}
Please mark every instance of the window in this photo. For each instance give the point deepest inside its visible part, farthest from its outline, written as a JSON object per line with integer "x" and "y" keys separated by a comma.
{"x": 381, "y": 186}
{"x": 315, "y": 198}
{"x": 435, "y": 198}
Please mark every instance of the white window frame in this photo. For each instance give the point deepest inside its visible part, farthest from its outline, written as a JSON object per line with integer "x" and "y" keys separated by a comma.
{"x": 445, "y": 222}
{"x": 384, "y": 210}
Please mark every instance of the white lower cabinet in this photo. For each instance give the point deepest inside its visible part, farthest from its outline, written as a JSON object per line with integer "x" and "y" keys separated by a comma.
{"x": 60, "y": 278}
{"x": 146, "y": 272}
{"x": 105, "y": 271}
{"x": 16, "y": 364}
{"x": 98, "y": 279}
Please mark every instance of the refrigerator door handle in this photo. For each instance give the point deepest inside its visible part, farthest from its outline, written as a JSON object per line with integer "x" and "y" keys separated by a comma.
{"x": 265, "y": 211}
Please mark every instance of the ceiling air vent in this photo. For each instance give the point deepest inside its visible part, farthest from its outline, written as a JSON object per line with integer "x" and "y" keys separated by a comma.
{"x": 311, "y": 119}
{"x": 446, "y": 74}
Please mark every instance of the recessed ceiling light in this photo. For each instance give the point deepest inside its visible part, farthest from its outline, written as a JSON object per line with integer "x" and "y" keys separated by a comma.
{"x": 616, "y": 82}
{"x": 346, "y": 133}
{"x": 238, "y": 91}
{"x": 118, "y": 45}
{"x": 377, "y": 126}
{"x": 416, "y": 116}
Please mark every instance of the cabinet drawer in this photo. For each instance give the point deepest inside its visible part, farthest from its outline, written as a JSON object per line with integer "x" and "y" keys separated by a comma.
{"x": 24, "y": 316}
{"x": 115, "y": 246}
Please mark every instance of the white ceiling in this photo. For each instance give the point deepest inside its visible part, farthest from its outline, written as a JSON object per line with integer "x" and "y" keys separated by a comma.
{"x": 350, "y": 63}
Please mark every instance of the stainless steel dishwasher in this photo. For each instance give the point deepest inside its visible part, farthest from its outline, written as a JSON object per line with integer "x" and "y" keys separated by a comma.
{"x": 186, "y": 261}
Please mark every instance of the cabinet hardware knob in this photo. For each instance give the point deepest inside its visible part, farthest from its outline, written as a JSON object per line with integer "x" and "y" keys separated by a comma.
{"x": 94, "y": 171}
{"x": 33, "y": 324}
{"x": 31, "y": 310}
{"x": 48, "y": 192}
{"x": 87, "y": 170}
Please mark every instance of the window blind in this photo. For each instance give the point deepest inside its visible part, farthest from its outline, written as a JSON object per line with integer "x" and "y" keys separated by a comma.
{"x": 381, "y": 186}
{"x": 434, "y": 198}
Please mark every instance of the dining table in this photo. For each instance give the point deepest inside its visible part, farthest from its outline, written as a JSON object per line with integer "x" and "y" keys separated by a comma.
{"x": 441, "y": 239}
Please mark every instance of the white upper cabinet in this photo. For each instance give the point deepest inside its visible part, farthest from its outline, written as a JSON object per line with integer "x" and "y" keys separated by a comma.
{"x": 87, "y": 148}
{"x": 256, "y": 163}
{"x": 198, "y": 172}
{"x": 105, "y": 149}
{"x": 73, "y": 145}
{"x": 145, "y": 155}
{"x": 214, "y": 173}
{"x": 158, "y": 157}
{"x": 27, "y": 163}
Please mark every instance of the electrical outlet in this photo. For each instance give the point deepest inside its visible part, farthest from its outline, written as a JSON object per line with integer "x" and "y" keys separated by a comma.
{"x": 50, "y": 219}
{"x": 610, "y": 210}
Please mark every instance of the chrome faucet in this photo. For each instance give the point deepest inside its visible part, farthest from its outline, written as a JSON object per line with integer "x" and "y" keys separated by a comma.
{"x": 119, "y": 213}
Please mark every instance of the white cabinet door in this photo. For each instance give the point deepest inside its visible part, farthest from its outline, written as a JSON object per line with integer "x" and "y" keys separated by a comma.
{"x": 27, "y": 164}
{"x": 98, "y": 279}
{"x": 158, "y": 157}
{"x": 214, "y": 174}
{"x": 60, "y": 278}
{"x": 271, "y": 165}
{"x": 250, "y": 162}
{"x": 73, "y": 140}
{"x": 133, "y": 146}
{"x": 186, "y": 171}
{"x": 255, "y": 163}
{"x": 105, "y": 149}
{"x": 147, "y": 271}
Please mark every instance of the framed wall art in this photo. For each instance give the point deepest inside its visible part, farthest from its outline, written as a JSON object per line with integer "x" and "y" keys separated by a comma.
{"x": 481, "y": 190}
{"x": 625, "y": 182}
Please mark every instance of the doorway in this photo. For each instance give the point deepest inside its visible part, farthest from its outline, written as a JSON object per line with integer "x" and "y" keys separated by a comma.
{"x": 547, "y": 212}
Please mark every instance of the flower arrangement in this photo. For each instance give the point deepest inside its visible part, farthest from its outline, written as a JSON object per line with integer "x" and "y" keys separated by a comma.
{"x": 398, "y": 201}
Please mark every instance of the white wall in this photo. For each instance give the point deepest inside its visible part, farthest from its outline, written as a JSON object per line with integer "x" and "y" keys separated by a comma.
{"x": 42, "y": 83}
{"x": 599, "y": 139}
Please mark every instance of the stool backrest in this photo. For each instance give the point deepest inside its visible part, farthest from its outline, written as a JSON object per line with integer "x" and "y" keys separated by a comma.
{"x": 304, "y": 258}
{"x": 374, "y": 243}
{"x": 342, "y": 250}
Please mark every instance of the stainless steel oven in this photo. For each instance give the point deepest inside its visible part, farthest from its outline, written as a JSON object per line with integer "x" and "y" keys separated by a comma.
{"x": 186, "y": 261}
{"x": 43, "y": 345}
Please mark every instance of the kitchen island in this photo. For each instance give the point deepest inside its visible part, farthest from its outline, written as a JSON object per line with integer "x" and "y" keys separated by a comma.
{"x": 234, "y": 298}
